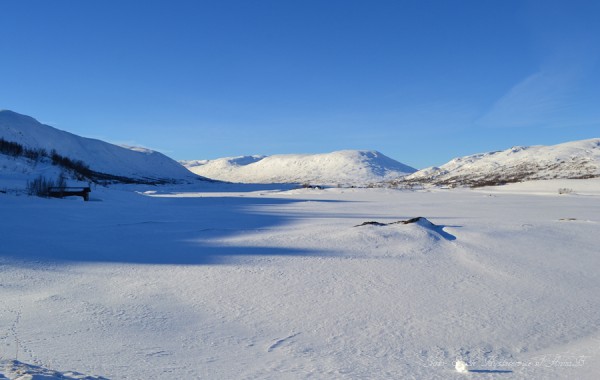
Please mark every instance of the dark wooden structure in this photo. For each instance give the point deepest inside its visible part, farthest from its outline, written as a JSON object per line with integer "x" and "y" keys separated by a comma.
{"x": 61, "y": 192}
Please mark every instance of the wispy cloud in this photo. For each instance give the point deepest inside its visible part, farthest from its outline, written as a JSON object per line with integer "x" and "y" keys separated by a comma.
{"x": 565, "y": 37}
{"x": 536, "y": 100}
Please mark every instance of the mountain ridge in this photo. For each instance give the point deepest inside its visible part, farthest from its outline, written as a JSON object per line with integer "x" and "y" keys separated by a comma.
{"x": 573, "y": 160}
{"x": 100, "y": 156}
{"x": 569, "y": 160}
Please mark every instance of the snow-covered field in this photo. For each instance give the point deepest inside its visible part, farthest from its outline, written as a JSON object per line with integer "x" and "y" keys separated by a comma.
{"x": 247, "y": 282}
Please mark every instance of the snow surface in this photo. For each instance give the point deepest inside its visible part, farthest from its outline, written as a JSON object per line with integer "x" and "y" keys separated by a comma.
{"x": 347, "y": 167}
{"x": 576, "y": 159}
{"x": 223, "y": 281}
{"x": 101, "y": 156}
{"x": 13, "y": 369}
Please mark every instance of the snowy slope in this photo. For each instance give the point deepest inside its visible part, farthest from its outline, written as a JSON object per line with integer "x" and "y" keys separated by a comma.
{"x": 577, "y": 159}
{"x": 101, "y": 156}
{"x": 15, "y": 172}
{"x": 342, "y": 167}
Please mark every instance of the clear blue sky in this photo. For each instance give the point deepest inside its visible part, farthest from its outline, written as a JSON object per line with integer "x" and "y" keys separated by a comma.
{"x": 421, "y": 81}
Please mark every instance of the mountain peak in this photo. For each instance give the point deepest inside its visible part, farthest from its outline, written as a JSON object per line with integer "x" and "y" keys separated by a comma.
{"x": 15, "y": 117}
{"x": 339, "y": 167}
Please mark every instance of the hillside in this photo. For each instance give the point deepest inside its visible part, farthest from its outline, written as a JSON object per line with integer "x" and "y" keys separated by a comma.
{"x": 341, "y": 167}
{"x": 577, "y": 159}
{"x": 100, "y": 156}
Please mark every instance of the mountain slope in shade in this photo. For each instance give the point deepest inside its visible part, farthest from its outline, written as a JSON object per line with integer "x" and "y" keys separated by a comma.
{"x": 577, "y": 159}
{"x": 341, "y": 167}
{"x": 137, "y": 163}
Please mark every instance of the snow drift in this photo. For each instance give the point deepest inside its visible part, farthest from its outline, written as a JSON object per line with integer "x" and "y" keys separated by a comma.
{"x": 341, "y": 167}
{"x": 102, "y": 157}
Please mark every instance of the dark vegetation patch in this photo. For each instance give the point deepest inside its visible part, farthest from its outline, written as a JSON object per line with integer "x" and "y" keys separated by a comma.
{"x": 309, "y": 186}
{"x": 408, "y": 221}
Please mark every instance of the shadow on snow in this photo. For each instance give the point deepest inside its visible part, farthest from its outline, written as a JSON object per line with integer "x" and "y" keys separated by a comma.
{"x": 139, "y": 229}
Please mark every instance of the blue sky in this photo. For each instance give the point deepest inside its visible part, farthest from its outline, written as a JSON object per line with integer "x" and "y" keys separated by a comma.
{"x": 421, "y": 81}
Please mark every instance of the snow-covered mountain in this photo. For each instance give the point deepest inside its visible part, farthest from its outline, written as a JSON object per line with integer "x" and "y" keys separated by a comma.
{"x": 100, "y": 156}
{"x": 341, "y": 167}
{"x": 577, "y": 159}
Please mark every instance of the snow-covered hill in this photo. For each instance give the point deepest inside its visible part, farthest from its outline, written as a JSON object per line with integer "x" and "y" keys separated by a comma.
{"x": 577, "y": 159}
{"x": 342, "y": 167}
{"x": 100, "y": 156}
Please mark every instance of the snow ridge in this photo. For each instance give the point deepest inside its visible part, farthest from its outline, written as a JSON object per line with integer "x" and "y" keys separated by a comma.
{"x": 340, "y": 167}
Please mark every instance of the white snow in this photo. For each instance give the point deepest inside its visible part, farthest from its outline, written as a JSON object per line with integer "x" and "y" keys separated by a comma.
{"x": 348, "y": 167}
{"x": 15, "y": 370}
{"x": 247, "y": 281}
{"x": 461, "y": 366}
{"x": 102, "y": 157}
{"x": 568, "y": 160}
{"x": 15, "y": 172}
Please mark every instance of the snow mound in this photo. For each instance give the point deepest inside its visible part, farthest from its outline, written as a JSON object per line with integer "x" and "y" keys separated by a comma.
{"x": 15, "y": 370}
{"x": 356, "y": 167}
{"x": 138, "y": 163}
{"x": 434, "y": 230}
{"x": 577, "y": 159}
